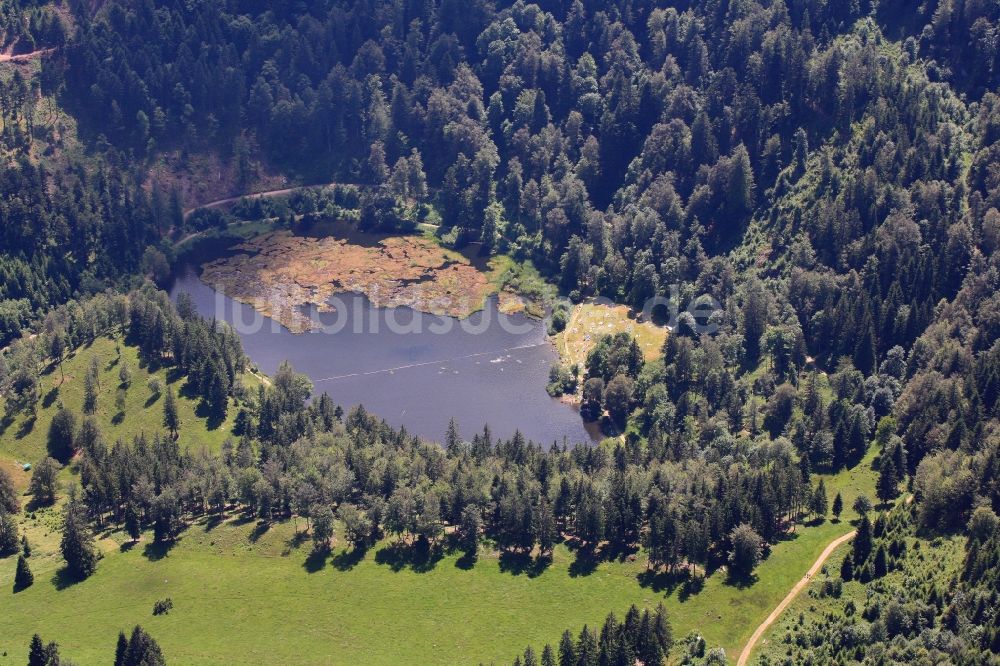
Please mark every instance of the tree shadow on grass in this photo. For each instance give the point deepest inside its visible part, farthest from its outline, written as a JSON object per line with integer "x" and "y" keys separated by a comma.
{"x": 64, "y": 578}
{"x": 662, "y": 581}
{"x": 316, "y": 560}
{"x": 157, "y": 550}
{"x": 739, "y": 579}
{"x": 259, "y": 530}
{"x": 151, "y": 400}
{"x": 127, "y": 546}
{"x": 213, "y": 520}
{"x": 118, "y": 418}
{"x": 517, "y": 563}
{"x": 295, "y": 542}
{"x": 792, "y": 535}
{"x": 50, "y": 397}
{"x": 346, "y": 560}
{"x": 420, "y": 556}
{"x": 467, "y": 560}
{"x": 213, "y": 419}
{"x": 692, "y": 586}
{"x": 585, "y": 563}
{"x": 5, "y": 422}
{"x": 27, "y": 425}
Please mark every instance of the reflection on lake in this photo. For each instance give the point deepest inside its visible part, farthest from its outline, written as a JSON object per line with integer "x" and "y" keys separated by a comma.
{"x": 476, "y": 370}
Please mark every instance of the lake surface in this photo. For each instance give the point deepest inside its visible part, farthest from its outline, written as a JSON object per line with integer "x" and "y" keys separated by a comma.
{"x": 411, "y": 368}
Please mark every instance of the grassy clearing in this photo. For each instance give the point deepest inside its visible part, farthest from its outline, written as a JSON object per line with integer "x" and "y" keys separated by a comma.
{"x": 245, "y": 596}
{"x": 593, "y": 319}
{"x": 23, "y": 438}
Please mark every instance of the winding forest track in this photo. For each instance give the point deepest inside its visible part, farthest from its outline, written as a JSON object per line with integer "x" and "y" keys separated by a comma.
{"x": 24, "y": 57}
{"x": 794, "y": 592}
{"x": 269, "y": 194}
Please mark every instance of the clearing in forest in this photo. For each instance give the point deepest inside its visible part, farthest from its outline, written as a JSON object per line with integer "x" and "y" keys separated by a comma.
{"x": 278, "y": 273}
{"x": 594, "y": 319}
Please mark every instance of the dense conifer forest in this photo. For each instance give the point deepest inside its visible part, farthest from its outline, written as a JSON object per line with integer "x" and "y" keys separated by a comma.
{"x": 825, "y": 171}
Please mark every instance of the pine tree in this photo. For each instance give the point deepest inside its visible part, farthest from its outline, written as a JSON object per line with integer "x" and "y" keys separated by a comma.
{"x": 57, "y": 349}
{"x": 862, "y": 541}
{"x": 62, "y": 435}
{"x": 121, "y": 649}
{"x": 548, "y": 656}
{"x": 881, "y": 567}
{"x": 170, "y": 419}
{"x": 887, "y": 487}
{"x": 452, "y": 439}
{"x": 22, "y": 576}
{"x": 567, "y": 650}
{"x": 133, "y": 526}
{"x": 819, "y": 500}
{"x": 838, "y": 506}
{"x": 77, "y": 544}
{"x": 37, "y": 654}
{"x": 89, "y": 393}
{"x": 847, "y": 568}
{"x": 142, "y": 650}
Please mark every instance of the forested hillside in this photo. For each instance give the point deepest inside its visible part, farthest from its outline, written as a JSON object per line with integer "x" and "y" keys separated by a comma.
{"x": 826, "y": 171}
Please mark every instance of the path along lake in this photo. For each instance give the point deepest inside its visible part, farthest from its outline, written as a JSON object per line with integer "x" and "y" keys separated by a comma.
{"x": 479, "y": 370}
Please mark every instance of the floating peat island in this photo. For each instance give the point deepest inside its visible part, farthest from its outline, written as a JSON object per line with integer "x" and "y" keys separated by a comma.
{"x": 278, "y": 273}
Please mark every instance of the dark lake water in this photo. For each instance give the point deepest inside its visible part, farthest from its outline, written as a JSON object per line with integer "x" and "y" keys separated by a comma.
{"x": 411, "y": 368}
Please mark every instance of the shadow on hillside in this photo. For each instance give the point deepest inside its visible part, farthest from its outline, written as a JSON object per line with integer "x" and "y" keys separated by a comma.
{"x": 662, "y": 581}
{"x": 27, "y": 425}
{"x": 517, "y": 563}
{"x": 346, "y": 560}
{"x": 740, "y": 580}
{"x": 259, "y": 530}
{"x": 64, "y": 578}
{"x": 316, "y": 560}
{"x": 50, "y": 397}
{"x": 294, "y": 542}
{"x": 157, "y": 550}
{"x": 467, "y": 560}
{"x": 585, "y": 563}
{"x": 420, "y": 556}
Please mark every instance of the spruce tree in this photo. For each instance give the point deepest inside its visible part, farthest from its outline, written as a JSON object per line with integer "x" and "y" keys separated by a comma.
{"x": 819, "y": 500}
{"x": 9, "y": 539}
{"x": 89, "y": 393}
{"x": 887, "y": 487}
{"x": 142, "y": 650}
{"x": 567, "y": 650}
{"x": 862, "y": 541}
{"x": 37, "y": 654}
{"x": 77, "y": 543}
{"x": 170, "y": 419}
{"x": 133, "y": 526}
{"x": 22, "y": 576}
{"x": 121, "y": 649}
{"x": 838, "y": 506}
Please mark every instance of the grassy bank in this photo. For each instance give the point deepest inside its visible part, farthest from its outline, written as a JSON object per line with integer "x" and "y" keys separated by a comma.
{"x": 23, "y": 437}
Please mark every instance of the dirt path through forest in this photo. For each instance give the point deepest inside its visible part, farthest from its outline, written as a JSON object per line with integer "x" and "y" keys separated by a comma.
{"x": 24, "y": 57}
{"x": 776, "y": 613}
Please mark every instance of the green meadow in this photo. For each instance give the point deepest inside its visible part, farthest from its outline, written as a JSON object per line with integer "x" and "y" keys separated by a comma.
{"x": 252, "y": 593}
